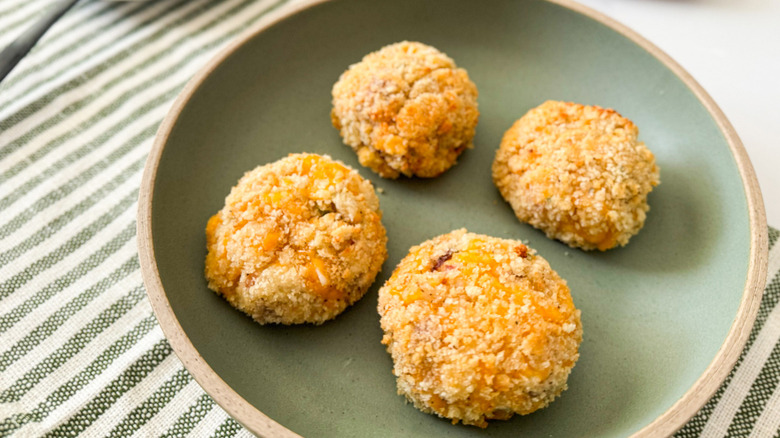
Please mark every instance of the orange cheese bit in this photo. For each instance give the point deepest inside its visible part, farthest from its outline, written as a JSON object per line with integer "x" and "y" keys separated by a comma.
{"x": 319, "y": 280}
{"x": 270, "y": 240}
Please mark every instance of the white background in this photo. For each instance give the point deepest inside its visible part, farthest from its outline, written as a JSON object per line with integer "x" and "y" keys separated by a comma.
{"x": 732, "y": 48}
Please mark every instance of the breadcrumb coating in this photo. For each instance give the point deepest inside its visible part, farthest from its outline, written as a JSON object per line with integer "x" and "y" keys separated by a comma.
{"x": 406, "y": 109}
{"x": 479, "y": 328}
{"x": 577, "y": 173}
{"x": 298, "y": 241}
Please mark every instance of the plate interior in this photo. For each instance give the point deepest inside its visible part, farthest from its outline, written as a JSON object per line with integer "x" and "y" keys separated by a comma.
{"x": 654, "y": 313}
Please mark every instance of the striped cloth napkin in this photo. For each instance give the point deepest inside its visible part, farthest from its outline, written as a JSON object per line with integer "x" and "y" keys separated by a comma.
{"x": 80, "y": 350}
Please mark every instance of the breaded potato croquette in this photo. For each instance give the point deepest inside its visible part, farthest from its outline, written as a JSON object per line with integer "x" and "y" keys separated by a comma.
{"x": 578, "y": 173}
{"x": 297, "y": 241}
{"x": 479, "y": 328}
{"x": 406, "y": 109}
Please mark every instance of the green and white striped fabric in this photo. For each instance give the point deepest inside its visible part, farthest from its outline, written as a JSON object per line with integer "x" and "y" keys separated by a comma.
{"x": 80, "y": 350}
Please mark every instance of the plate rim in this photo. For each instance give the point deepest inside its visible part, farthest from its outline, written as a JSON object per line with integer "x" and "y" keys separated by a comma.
{"x": 259, "y": 423}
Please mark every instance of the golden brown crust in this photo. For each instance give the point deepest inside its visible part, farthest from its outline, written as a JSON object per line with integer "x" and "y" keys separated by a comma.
{"x": 406, "y": 109}
{"x": 298, "y": 241}
{"x": 478, "y": 328}
{"x": 577, "y": 173}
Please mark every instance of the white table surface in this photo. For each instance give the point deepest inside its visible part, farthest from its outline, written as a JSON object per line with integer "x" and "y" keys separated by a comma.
{"x": 732, "y": 48}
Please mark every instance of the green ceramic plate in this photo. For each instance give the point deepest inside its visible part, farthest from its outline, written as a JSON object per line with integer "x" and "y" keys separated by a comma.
{"x": 664, "y": 318}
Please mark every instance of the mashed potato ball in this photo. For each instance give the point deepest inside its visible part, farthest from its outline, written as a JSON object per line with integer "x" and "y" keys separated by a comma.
{"x": 479, "y": 328}
{"x": 577, "y": 173}
{"x": 298, "y": 241}
{"x": 406, "y": 109}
